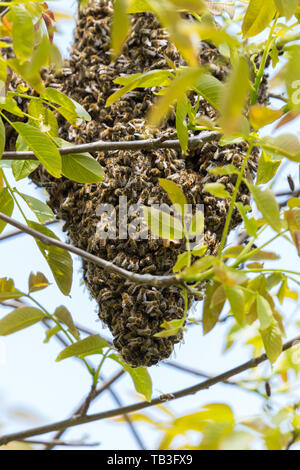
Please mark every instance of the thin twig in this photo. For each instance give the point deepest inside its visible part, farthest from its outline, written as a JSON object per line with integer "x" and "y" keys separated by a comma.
{"x": 148, "y": 279}
{"x": 15, "y": 233}
{"x": 141, "y": 405}
{"x": 55, "y": 442}
{"x": 100, "y": 145}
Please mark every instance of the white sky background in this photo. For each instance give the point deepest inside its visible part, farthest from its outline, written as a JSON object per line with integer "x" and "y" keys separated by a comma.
{"x": 31, "y": 381}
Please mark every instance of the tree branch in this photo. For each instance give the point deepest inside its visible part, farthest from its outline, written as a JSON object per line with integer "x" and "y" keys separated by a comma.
{"x": 55, "y": 442}
{"x": 148, "y": 279}
{"x": 142, "y": 405}
{"x": 100, "y": 145}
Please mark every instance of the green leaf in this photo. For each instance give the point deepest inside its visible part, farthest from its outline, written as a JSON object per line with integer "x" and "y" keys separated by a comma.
{"x": 153, "y": 78}
{"x": 285, "y": 145}
{"x": 251, "y": 225}
{"x": 217, "y": 190}
{"x": 267, "y": 204}
{"x": 86, "y": 347}
{"x": 185, "y": 80}
{"x": 163, "y": 224}
{"x": 232, "y": 102}
{"x": 140, "y": 376}
{"x": 120, "y": 25}
{"x": 43, "y": 148}
{"x": 52, "y": 94}
{"x": 267, "y": 168}
{"x": 175, "y": 194}
{"x": 6, "y": 206}
{"x": 47, "y": 121}
{"x": 40, "y": 209}
{"x": 181, "y": 122}
{"x": 8, "y": 290}
{"x": 199, "y": 250}
{"x": 52, "y": 332}
{"x": 23, "y": 168}
{"x": 272, "y": 340}
{"x": 20, "y": 319}
{"x": 8, "y": 104}
{"x": 59, "y": 260}
{"x": 236, "y": 298}
{"x": 286, "y": 7}
{"x": 261, "y": 116}
{"x": 2, "y": 138}
{"x": 37, "y": 282}
{"x": 82, "y": 168}
{"x": 182, "y": 262}
{"x": 264, "y": 312}
{"x": 224, "y": 170}
{"x": 258, "y": 17}
{"x": 63, "y": 315}
{"x": 211, "y": 89}
{"x": 211, "y": 315}
{"x": 22, "y": 32}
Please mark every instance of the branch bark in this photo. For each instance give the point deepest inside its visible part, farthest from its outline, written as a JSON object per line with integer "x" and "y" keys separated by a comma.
{"x": 100, "y": 145}
{"x": 141, "y": 405}
{"x": 143, "y": 279}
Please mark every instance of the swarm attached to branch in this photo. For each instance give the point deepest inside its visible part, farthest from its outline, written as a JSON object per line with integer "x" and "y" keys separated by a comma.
{"x": 133, "y": 313}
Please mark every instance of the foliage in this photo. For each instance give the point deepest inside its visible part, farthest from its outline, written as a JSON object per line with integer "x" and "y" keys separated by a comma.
{"x": 235, "y": 283}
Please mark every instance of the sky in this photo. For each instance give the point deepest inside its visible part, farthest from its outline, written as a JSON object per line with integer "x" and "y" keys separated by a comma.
{"x": 36, "y": 390}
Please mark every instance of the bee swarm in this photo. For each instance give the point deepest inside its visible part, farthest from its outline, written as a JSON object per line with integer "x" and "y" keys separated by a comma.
{"x": 134, "y": 313}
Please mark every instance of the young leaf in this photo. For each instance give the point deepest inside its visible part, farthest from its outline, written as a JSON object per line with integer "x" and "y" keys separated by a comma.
{"x": 175, "y": 194}
{"x": 210, "y": 88}
{"x": 23, "y": 33}
{"x": 272, "y": 340}
{"x": 261, "y": 116}
{"x": 82, "y": 168}
{"x": 140, "y": 376}
{"x": 251, "y": 225}
{"x": 181, "y": 122}
{"x": 186, "y": 80}
{"x": 267, "y": 168}
{"x": 20, "y": 319}
{"x": 182, "y": 262}
{"x": 85, "y": 347}
{"x": 37, "y": 282}
{"x": 217, "y": 190}
{"x": 286, "y": 7}
{"x": 120, "y": 25}
{"x": 59, "y": 260}
{"x": 8, "y": 290}
{"x": 236, "y": 298}
{"x": 23, "y": 168}
{"x": 264, "y": 312}
{"x": 267, "y": 204}
{"x": 40, "y": 209}
{"x": 63, "y": 315}
{"x": 2, "y": 137}
{"x": 258, "y": 17}
{"x": 52, "y": 94}
{"x": 211, "y": 315}
{"x": 6, "y": 205}
{"x": 43, "y": 148}
{"x": 234, "y": 97}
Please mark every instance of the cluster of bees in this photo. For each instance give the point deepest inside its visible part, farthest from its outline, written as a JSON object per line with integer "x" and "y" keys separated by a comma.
{"x": 134, "y": 313}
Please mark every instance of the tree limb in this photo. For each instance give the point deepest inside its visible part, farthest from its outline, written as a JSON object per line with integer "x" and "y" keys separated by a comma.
{"x": 100, "y": 145}
{"x": 142, "y": 405}
{"x": 148, "y": 279}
